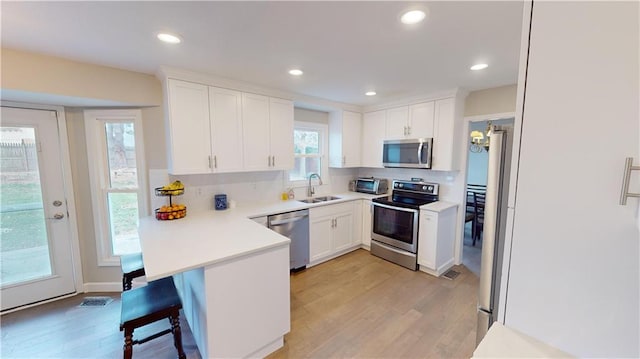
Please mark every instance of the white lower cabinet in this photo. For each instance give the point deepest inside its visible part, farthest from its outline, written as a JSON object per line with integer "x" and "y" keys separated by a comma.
{"x": 367, "y": 218}
{"x": 436, "y": 240}
{"x": 331, "y": 231}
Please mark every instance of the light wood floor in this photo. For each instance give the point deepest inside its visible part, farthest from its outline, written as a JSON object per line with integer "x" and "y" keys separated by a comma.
{"x": 62, "y": 329}
{"x": 356, "y": 305}
{"x": 359, "y": 305}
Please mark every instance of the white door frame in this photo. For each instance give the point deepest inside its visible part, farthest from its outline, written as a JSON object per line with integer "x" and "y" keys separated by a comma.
{"x": 463, "y": 172}
{"x": 68, "y": 192}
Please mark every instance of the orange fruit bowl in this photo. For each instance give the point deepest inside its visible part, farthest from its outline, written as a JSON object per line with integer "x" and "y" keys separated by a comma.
{"x": 168, "y": 213}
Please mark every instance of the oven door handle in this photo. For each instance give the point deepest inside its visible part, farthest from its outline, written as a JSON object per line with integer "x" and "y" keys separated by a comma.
{"x": 395, "y": 208}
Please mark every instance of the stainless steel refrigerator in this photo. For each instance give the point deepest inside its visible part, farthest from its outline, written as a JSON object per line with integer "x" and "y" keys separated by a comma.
{"x": 493, "y": 236}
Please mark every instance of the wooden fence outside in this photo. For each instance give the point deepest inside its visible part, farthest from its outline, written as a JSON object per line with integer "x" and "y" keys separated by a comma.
{"x": 18, "y": 157}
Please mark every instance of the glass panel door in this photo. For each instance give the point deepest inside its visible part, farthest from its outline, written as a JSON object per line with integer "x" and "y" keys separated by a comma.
{"x": 24, "y": 250}
{"x": 35, "y": 245}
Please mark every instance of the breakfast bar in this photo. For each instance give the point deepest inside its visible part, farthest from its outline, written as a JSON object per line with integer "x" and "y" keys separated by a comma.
{"x": 232, "y": 275}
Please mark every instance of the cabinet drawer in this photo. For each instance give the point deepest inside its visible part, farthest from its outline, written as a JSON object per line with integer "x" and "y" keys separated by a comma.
{"x": 330, "y": 210}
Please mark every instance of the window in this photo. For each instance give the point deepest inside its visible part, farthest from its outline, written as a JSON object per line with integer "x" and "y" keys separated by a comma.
{"x": 116, "y": 163}
{"x": 310, "y": 152}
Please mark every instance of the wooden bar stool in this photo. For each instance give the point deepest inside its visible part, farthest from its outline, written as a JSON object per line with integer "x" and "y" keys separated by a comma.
{"x": 132, "y": 267}
{"x": 141, "y": 306}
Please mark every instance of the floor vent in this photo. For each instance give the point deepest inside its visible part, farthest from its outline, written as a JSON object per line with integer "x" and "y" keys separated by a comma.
{"x": 95, "y": 301}
{"x": 451, "y": 274}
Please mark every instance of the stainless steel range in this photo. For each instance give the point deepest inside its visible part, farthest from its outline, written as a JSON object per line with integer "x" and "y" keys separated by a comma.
{"x": 394, "y": 233}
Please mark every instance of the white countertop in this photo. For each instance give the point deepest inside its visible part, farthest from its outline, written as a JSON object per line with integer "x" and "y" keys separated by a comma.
{"x": 438, "y": 206}
{"x": 504, "y": 342}
{"x": 265, "y": 209}
{"x": 206, "y": 238}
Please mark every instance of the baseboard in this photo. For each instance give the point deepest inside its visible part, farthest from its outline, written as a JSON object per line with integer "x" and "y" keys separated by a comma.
{"x": 109, "y": 286}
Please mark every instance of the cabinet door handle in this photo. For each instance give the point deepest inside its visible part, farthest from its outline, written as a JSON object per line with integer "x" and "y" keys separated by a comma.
{"x": 215, "y": 161}
{"x": 273, "y": 161}
{"x": 209, "y": 159}
{"x": 405, "y": 130}
{"x": 408, "y": 130}
{"x": 344, "y": 160}
{"x": 268, "y": 161}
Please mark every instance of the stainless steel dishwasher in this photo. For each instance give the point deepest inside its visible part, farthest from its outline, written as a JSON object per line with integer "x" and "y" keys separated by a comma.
{"x": 295, "y": 226}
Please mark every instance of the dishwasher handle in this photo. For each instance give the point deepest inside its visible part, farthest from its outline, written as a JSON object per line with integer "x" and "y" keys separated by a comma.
{"x": 285, "y": 221}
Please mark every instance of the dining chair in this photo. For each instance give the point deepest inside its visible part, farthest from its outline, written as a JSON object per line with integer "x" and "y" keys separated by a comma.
{"x": 479, "y": 201}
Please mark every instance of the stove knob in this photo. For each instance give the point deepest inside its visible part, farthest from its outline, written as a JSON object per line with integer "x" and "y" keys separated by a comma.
{"x": 400, "y": 185}
{"x": 430, "y": 188}
{"x": 424, "y": 188}
{"x": 395, "y": 185}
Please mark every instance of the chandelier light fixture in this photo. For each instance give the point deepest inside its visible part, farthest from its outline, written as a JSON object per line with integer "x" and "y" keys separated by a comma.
{"x": 480, "y": 140}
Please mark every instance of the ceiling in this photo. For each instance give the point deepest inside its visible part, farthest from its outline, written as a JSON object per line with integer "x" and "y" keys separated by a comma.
{"x": 344, "y": 48}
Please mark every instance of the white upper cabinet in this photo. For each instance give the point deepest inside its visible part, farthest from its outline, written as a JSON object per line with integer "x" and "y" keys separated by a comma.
{"x": 397, "y": 123}
{"x": 225, "y": 114}
{"x": 446, "y": 126}
{"x": 345, "y": 131}
{"x": 212, "y": 129}
{"x": 281, "y": 130}
{"x": 255, "y": 117}
{"x": 188, "y": 128}
{"x": 268, "y": 132}
{"x": 415, "y": 121}
{"x": 373, "y": 134}
{"x": 421, "y": 120}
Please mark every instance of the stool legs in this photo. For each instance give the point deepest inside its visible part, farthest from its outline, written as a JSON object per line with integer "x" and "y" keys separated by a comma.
{"x": 128, "y": 343}
{"x": 177, "y": 335}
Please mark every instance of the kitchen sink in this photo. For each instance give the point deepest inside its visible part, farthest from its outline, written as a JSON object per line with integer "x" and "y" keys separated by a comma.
{"x": 326, "y": 198}
{"x": 308, "y": 200}
{"x": 318, "y": 199}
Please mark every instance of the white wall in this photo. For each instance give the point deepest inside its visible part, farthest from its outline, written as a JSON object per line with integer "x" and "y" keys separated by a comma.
{"x": 493, "y": 100}
{"x": 478, "y": 162}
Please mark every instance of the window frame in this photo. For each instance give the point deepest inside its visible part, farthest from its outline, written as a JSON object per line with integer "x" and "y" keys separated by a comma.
{"x": 323, "y": 142}
{"x": 99, "y": 175}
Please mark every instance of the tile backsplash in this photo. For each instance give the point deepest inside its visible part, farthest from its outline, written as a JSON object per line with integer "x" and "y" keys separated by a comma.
{"x": 263, "y": 187}
{"x": 242, "y": 188}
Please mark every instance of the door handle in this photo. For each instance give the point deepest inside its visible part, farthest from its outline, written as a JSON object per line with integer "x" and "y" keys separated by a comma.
{"x": 628, "y": 167}
{"x": 285, "y": 221}
{"x": 57, "y": 216}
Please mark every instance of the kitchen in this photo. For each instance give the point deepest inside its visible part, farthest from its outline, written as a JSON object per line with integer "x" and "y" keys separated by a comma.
{"x": 267, "y": 184}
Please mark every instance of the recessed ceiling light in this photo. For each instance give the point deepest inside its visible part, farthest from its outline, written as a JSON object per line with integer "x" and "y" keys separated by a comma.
{"x": 172, "y": 39}
{"x": 412, "y": 17}
{"x": 477, "y": 67}
{"x": 370, "y": 93}
{"x": 295, "y": 72}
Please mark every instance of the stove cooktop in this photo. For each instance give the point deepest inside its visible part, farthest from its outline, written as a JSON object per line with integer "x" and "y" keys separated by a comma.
{"x": 404, "y": 202}
{"x": 410, "y": 194}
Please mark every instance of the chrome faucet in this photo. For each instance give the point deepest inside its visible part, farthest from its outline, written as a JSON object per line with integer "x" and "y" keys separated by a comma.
{"x": 310, "y": 191}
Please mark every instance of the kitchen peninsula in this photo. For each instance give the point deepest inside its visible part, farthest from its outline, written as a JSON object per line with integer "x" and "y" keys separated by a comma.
{"x": 232, "y": 275}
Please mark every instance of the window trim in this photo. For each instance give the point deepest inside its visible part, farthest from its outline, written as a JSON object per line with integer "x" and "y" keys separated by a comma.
{"x": 99, "y": 175}
{"x": 324, "y": 152}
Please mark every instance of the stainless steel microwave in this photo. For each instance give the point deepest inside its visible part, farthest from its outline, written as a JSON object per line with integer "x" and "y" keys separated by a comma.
{"x": 412, "y": 153}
